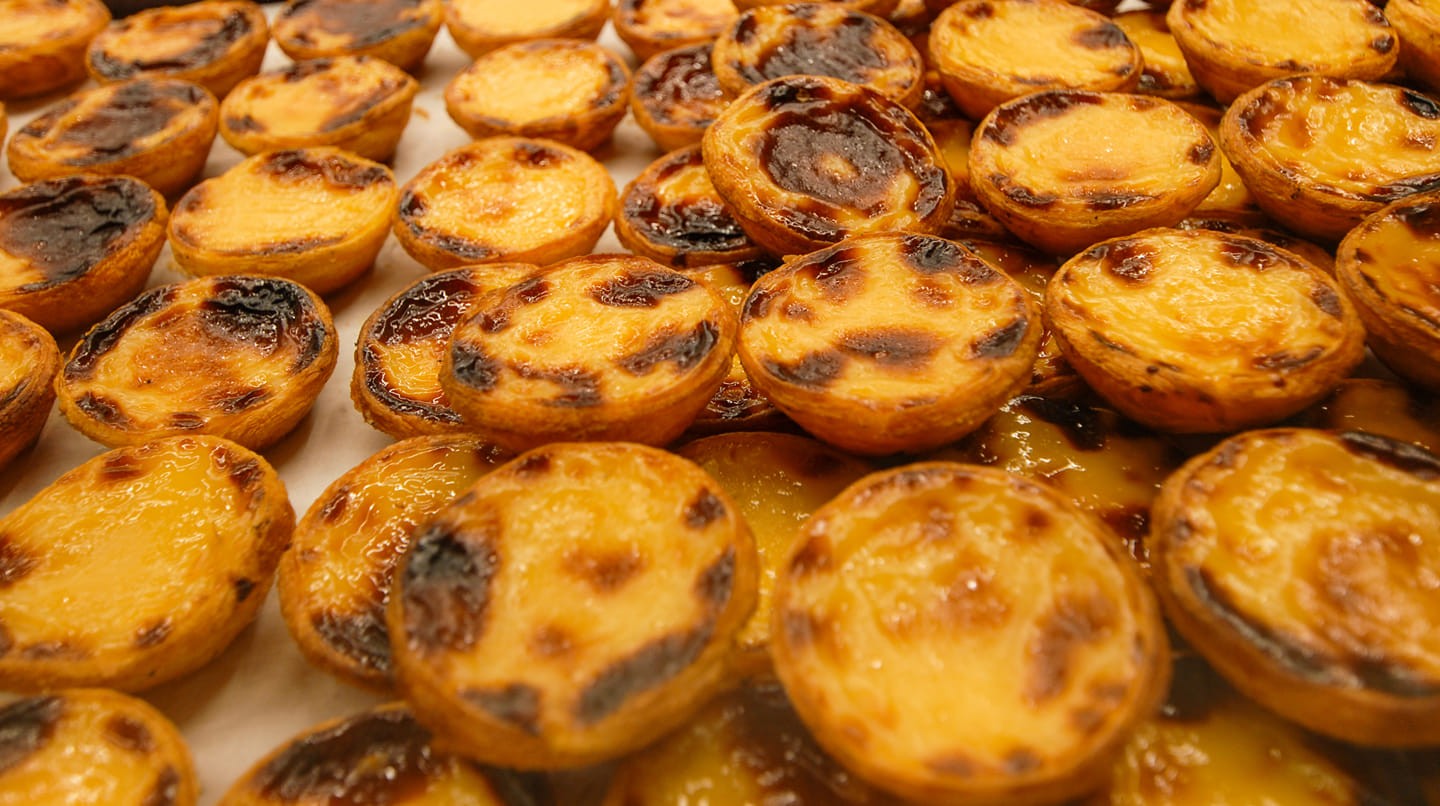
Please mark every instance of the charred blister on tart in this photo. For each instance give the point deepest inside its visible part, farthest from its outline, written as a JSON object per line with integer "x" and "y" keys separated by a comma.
{"x": 602, "y": 347}
{"x": 675, "y": 96}
{"x": 671, "y": 213}
{"x": 92, "y": 745}
{"x": 358, "y": 103}
{"x": 139, "y": 565}
{"x": 570, "y": 91}
{"x": 396, "y": 383}
{"x": 158, "y": 130}
{"x": 955, "y": 634}
{"x": 72, "y": 249}
{"x": 1065, "y": 169}
{"x": 992, "y": 51}
{"x": 239, "y": 356}
{"x": 214, "y": 43}
{"x": 1417, "y": 24}
{"x": 505, "y": 200}
{"x": 489, "y": 645}
{"x": 1258, "y": 226}
{"x": 889, "y": 342}
{"x": 379, "y": 756}
{"x": 1301, "y": 564}
{"x": 335, "y": 578}
{"x": 29, "y": 361}
{"x": 1299, "y": 145}
{"x": 652, "y": 26}
{"x": 1197, "y": 331}
{"x": 818, "y": 39}
{"x": 42, "y": 44}
{"x": 1230, "y": 198}
{"x": 737, "y": 405}
{"x": 879, "y": 8}
{"x": 804, "y": 161}
{"x": 1232, "y": 46}
{"x": 397, "y": 31}
{"x": 317, "y": 216}
{"x": 480, "y": 26}
{"x": 1384, "y": 407}
{"x": 777, "y": 481}
{"x": 1166, "y": 73}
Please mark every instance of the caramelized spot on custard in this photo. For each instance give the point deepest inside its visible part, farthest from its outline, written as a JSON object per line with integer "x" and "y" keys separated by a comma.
{"x": 539, "y": 155}
{"x": 895, "y": 347}
{"x": 1009, "y": 119}
{"x": 640, "y": 289}
{"x": 363, "y": 24}
{"x": 64, "y": 227}
{"x": 845, "y": 51}
{"x": 815, "y": 370}
{"x": 1002, "y": 341}
{"x": 128, "y": 734}
{"x": 683, "y": 80}
{"x": 515, "y": 704}
{"x": 579, "y": 387}
{"x": 447, "y": 588}
{"x": 297, "y": 165}
{"x": 474, "y": 367}
{"x": 1073, "y": 622}
{"x": 1103, "y": 36}
{"x": 153, "y": 634}
{"x": 1403, "y": 456}
{"x": 133, "y": 111}
{"x": 212, "y": 39}
{"x": 955, "y": 764}
{"x": 532, "y": 465}
{"x": 604, "y": 572}
{"x": 647, "y": 667}
{"x": 26, "y": 726}
{"x": 15, "y": 562}
{"x": 361, "y": 637}
{"x": 704, "y": 509}
{"x": 684, "y": 350}
{"x": 379, "y": 757}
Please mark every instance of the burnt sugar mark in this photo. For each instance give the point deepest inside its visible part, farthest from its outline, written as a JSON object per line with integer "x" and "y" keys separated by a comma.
{"x": 842, "y": 47}
{"x": 154, "y": 633}
{"x": 1250, "y": 253}
{"x": 651, "y": 665}
{"x": 267, "y": 315}
{"x": 1074, "y": 622}
{"x": 684, "y": 350}
{"x": 211, "y": 38}
{"x": 380, "y": 757}
{"x": 128, "y": 734}
{"x": 473, "y": 366}
{"x": 132, "y": 111}
{"x": 702, "y": 510}
{"x": 515, "y": 704}
{"x": 576, "y": 387}
{"x": 1102, "y": 36}
{"x": 338, "y": 171}
{"x": 714, "y": 584}
{"x": 166, "y": 789}
{"x": 1009, "y": 120}
{"x": 26, "y": 726}
{"x": 604, "y": 572}
{"x": 1403, "y": 456}
{"x": 679, "y": 86}
{"x": 539, "y": 155}
{"x": 16, "y": 562}
{"x": 893, "y": 348}
{"x": 104, "y": 410}
{"x": 640, "y": 288}
{"x": 360, "y": 637}
{"x": 445, "y": 588}
{"x": 815, "y": 370}
{"x": 360, "y": 24}
{"x": 1132, "y": 260}
{"x": 1003, "y": 341}
{"x": 1420, "y": 105}
{"x": 64, "y": 227}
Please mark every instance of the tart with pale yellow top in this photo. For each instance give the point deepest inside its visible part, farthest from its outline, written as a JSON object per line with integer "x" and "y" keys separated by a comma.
{"x": 480, "y": 26}
{"x": 139, "y": 565}
{"x": 238, "y": 356}
{"x": 1301, "y": 564}
{"x": 1319, "y": 154}
{"x": 525, "y": 634}
{"x": 675, "y": 96}
{"x": 92, "y": 745}
{"x": 1065, "y": 169}
{"x": 398, "y": 31}
{"x": 1165, "y": 73}
{"x": 505, "y": 200}
{"x": 1197, "y": 331}
{"x": 651, "y": 26}
{"x": 1417, "y": 23}
{"x": 214, "y": 43}
{"x": 29, "y": 361}
{"x": 955, "y": 634}
{"x": 672, "y": 214}
{"x": 317, "y": 216}
{"x": 357, "y": 103}
{"x": 1232, "y": 46}
{"x": 42, "y": 44}
{"x": 992, "y": 51}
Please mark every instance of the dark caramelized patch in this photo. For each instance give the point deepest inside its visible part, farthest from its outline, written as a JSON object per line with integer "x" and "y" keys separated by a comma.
{"x": 64, "y": 227}
{"x": 15, "y": 562}
{"x": 1020, "y": 761}
{"x": 933, "y": 255}
{"x": 166, "y": 791}
{"x": 1420, "y": 105}
{"x": 474, "y": 367}
{"x": 361, "y": 637}
{"x": 812, "y": 557}
{"x": 647, "y": 667}
{"x": 1131, "y": 260}
{"x": 212, "y": 38}
{"x": 955, "y": 764}
{"x": 532, "y": 465}
{"x": 446, "y": 588}
{"x": 845, "y": 49}
{"x": 1250, "y": 254}
{"x": 102, "y": 409}
{"x": 361, "y": 24}
{"x": 578, "y": 387}
{"x": 428, "y": 310}
{"x": 1010, "y": 119}
{"x": 704, "y": 509}
{"x": 517, "y": 705}
{"x": 604, "y": 572}
{"x": 892, "y": 348}
{"x": 129, "y": 734}
{"x": 1022, "y": 195}
{"x": 539, "y": 155}
{"x": 26, "y": 726}
{"x": 1103, "y": 36}
{"x": 243, "y": 588}
{"x": 1003, "y": 341}
{"x": 1110, "y": 200}
{"x": 1403, "y": 456}
{"x": 297, "y": 165}
{"x": 1074, "y": 622}
{"x": 132, "y": 112}
{"x": 684, "y": 350}
{"x": 378, "y": 758}
{"x": 702, "y": 224}
{"x": 799, "y": 149}
{"x": 264, "y": 313}
{"x": 677, "y": 83}
{"x": 1284, "y": 360}
{"x": 640, "y": 289}
{"x": 1422, "y": 220}
{"x": 153, "y": 634}
{"x": 714, "y": 584}
{"x": 815, "y": 370}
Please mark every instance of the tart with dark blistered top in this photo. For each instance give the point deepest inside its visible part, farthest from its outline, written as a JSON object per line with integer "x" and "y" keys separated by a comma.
{"x": 505, "y": 200}
{"x": 335, "y": 578}
{"x": 360, "y": 104}
{"x": 889, "y": 342}
{"x": 992, "y": 51}
{"x": 214, "y": 43}
{"x": 29, "y": 361}
{"x": 1388, "y": 408}
{"x": 317, "y": 216}
{"x": 398, "y": 31}
{"x": 671, "y": 213}
{"x": 396, "y": 383}
{"x": 818, "y": 39}
{"x": 489, "y": 645}
{"x": 1066, "y": 169}
{"x": 1202, "y": 331}
{"x": 480, "y": 26}
{"x": 42, "y": 44}
{"x": 138, "y": 566}
{"x": 1301, "y": 564}
{"x": 958, "y": 635}
{"x": 650, "y": 26}
{"x": 1234, "y": 45}
{"x": 73, "y": 249}
{"x": 92, "y": 745}
{"x": 675, "y": 96}
{"x": 1301, "y": 148}
{"x": 1165, "y": 73}
{"x": 158, "y": 130}
{"x": 805, "y": 161}
{"x": 379, "y": 756}
{"x": 879, "y": 8}
{"x": 603, "y": 347}
{"x": 237, "y": 356}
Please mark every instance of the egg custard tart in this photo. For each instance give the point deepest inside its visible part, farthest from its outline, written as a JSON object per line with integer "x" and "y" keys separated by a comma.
{"x": 1065, "y": 169}
{"x": 398, "y": 31}
{"x": 957, "y": 635}
{"x": 379, "y": 756}
{"x": 42, "y": 44}
{"x": 493, "y": 652}
{"x": 396, "y": 383}
{"x": 602, "y": 347}
{"x": 213, "y": 43}
{"x": 480, "y": 26}
{"x": 818, "y": 39}
{"x": 651, "y": 26}
{"x": 671, "y": 213}
{"x": 1301, "y": 563}
{"x": 1417, "y": 23}
{"x": 879, "y": 8}
{"x": 1166, "y": 73}
{"x": 675, "y": 96}
{"x": 158, "y": 130}
{"x": 1319, "y": 154}
{"x": 237, "y": 356}
{"x": 992, "y": 51}
{"x": 804, "y": 161}
{"x": 139, "y": 565}
{"x": 29, "y": 361}
{"x": 317, "y": 216}
{"x": 334, "y": 579}
{"x": 889, "y": 342}
{"x": 505, "y": 200}
{"x": 92, "y": 745}
{"x": 1232, "y": 46}
{"x": 72, "y": 249}
{"x": 357, "y": 103}
{"x": 1196, "y": 331}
